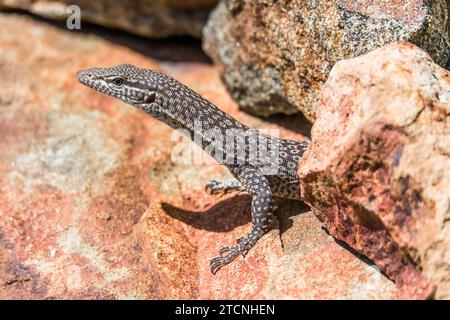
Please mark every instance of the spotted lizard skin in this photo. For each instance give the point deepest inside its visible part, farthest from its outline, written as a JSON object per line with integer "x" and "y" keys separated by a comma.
{"x": 174, "y": 104}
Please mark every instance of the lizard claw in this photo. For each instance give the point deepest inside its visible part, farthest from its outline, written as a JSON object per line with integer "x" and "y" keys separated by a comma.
{"x": 214, "y": 187}
{"x": 218, "y": 262}
{"x": 225, "y": 249}
{"x": 231, "y": 254}
{"x": 229, "y": 249}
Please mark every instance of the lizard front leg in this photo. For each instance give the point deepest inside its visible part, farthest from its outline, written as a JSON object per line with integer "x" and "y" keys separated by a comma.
{"x": 258, "y": 186}
{"x": 214, "y": 186}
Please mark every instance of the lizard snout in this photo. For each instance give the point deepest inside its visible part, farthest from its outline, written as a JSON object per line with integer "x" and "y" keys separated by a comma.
{"x": 84, "y": 76}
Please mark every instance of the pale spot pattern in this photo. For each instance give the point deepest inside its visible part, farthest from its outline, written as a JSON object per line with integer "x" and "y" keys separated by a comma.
{"x": 174, "y": 104}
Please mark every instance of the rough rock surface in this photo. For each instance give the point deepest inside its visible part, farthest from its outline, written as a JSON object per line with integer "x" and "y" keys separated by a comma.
{"x": 92, "y": 206}
{"x": 377, "y": 172}
{"x": 274, "y": 56}
{"x": 154, "y": 18}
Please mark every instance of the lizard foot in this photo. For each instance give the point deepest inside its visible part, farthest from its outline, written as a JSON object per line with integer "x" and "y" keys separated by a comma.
{"x": 215, "y": 187}
{"x": 231, "y": 254}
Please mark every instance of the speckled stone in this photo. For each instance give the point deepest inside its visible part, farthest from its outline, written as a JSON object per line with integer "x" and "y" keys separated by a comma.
{"x": 377, "y": 171}
{"x": 274, "y": 56}
{"x": 155, "y": 19}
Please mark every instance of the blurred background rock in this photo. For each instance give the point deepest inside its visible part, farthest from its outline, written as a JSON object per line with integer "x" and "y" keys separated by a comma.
{"x": 151, "y": 18}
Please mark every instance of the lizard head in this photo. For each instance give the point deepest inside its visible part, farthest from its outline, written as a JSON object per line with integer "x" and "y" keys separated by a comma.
{"x": 133, "y": 85}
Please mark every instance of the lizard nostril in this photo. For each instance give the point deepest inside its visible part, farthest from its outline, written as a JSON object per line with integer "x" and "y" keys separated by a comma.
{"x": 82, "y": 75}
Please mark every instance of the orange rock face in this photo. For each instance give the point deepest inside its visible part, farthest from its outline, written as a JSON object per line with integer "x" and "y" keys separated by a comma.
{"x": 377, "y": 171}
{"x": 92, "y": 204}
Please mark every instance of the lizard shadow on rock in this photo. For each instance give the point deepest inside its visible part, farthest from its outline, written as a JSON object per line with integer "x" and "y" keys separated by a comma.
{"x": 288, "y": 209}
{"x": 355, "y": 252}
{"x": 223, "y": 216}
{"x": 229, "y": 213}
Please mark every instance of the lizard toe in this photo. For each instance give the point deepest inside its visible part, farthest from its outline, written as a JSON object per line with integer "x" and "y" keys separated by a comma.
{"x": 218, "y": 262}
{"x": 213, "y": 187}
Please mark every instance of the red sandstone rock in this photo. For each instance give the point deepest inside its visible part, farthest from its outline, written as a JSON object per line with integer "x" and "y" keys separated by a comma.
{"x": 91, "y": 205}
{"x": 377, "y": 172}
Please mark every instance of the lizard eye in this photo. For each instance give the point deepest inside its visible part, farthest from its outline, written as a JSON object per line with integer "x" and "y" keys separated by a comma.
{"x": 118, "y": 82}
{"x": 150, "y": 98}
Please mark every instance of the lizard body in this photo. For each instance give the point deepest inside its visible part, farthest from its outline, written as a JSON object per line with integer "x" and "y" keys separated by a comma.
{"x": 174, "y": 104}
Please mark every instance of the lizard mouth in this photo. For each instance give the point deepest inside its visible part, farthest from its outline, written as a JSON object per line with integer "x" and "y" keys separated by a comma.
{"x": 147, "y": 99}
{"x": 88, "y": 79}
{"x": 91, "y": 80}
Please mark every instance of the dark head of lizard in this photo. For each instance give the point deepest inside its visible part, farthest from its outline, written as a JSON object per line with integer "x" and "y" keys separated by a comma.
{"x": 176, "y": 105}
{"x": 125, "y": 81}
{"x": 159, "y": 95}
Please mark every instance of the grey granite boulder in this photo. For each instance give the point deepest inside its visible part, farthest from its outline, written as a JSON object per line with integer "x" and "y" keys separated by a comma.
{"x": 274, "y": 56}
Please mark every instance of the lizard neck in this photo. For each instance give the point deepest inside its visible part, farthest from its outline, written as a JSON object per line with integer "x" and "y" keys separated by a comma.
{"x": 187, "y": 110}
